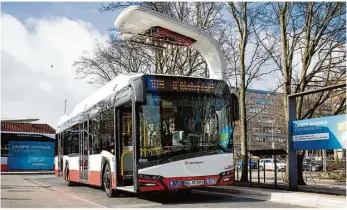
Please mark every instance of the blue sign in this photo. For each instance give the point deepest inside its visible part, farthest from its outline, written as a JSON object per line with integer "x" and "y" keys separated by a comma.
{"x": 174, "y": 183}
{"x": 225, "y": 134}
{"x": 210, "y": 181}
{"x": 30, "y": 155}
{"x": 320, "y": 133}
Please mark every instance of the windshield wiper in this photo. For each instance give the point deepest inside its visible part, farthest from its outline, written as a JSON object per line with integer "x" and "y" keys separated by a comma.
{"x": 170, "y": 155}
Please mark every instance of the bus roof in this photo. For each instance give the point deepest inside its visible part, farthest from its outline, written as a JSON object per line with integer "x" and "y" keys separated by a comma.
{"x": 109, "y": 89}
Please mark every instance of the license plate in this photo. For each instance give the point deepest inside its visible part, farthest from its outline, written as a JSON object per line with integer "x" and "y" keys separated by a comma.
{"x": 193, "y": 183}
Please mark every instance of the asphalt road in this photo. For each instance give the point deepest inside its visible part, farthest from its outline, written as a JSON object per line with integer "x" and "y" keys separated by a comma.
{"x": 47, "y": 191}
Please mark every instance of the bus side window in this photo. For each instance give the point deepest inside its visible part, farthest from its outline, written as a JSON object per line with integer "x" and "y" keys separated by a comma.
{"x": 107, "y": 129}
{"x": 94, "y": 137}
{"x": 126, "y": 127}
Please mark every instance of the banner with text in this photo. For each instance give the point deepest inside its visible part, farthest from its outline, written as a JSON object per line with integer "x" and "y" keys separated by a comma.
{"x": 30, "y": 155}
{"x": 320, "y": 133}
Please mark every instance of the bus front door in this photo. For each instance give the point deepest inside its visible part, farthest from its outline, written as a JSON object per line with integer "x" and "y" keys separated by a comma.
{"x": 124, "y": 146}
{"x": 83, "y": 153}
{"x": 60, "y": 154}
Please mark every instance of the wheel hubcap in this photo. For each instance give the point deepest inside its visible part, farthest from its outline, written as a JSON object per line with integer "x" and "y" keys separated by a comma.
{"x": 107, "y": 180}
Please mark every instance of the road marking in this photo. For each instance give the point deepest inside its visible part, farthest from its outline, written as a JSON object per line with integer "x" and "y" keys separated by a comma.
{"x": 85, "y": 199}
{"x": 79, "y": 197}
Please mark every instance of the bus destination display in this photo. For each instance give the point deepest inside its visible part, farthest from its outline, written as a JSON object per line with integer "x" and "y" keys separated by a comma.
{"x": 180, "y": 85}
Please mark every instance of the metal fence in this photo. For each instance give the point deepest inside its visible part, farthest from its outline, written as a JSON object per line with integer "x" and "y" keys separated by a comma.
{"x": 259, "y": 173}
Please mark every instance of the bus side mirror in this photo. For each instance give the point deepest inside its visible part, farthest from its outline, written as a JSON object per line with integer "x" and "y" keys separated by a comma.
{"x": 234, "y": 109}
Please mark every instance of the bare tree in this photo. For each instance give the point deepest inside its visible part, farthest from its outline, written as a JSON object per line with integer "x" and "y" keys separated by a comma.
{"x": 240, "y": 17}
{"x": 311, "y": 39}
{"x": 246, "y": 62}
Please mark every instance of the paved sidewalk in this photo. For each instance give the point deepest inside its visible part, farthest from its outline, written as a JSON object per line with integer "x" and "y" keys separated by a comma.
{"x": 283, "y": 196}
{"x": 25, "y": 172}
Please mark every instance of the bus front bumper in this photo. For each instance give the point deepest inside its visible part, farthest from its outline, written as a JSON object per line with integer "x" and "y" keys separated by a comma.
{"x": 158, "y": 183}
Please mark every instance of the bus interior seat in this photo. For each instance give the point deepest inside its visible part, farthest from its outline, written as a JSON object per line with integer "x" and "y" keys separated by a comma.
{"x": 128, "y": 165}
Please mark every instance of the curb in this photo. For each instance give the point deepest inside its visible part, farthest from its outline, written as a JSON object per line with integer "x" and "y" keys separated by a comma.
{"x": 329, "y": 191}
{"x": 285, "y": 197}
{"x": 26, "y": 172}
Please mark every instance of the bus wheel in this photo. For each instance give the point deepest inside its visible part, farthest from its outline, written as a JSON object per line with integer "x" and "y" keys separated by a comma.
{"x": 107, "y": 182}
{"x": 67, "y": 177}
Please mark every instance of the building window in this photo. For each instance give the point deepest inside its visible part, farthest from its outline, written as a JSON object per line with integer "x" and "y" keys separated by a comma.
{"x": 262, "y": 101}
{"x": 256, "y": 138}
{"x": 256, "y": 129}
{"x": 254, "y": 109}
{"x": 267, "y": 129}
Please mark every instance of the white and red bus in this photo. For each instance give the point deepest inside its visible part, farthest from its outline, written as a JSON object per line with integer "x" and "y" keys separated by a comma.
{"x": 144, "y": 132}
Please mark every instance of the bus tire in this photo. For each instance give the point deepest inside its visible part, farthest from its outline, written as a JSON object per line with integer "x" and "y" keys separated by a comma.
{"x": 107, "y": 182}
{"x": 67, "y": 177}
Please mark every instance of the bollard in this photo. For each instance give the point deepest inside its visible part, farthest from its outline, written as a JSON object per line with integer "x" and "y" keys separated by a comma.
{"x": 275, "y": 173}
{"x": 258, "y": 172}
{"x": 264, "y": 171}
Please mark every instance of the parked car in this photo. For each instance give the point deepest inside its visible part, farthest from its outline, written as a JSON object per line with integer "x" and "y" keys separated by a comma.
{"x": 269, "y": 164}
{"x": 253, "y": 164}
{"x": 310, "y": 165}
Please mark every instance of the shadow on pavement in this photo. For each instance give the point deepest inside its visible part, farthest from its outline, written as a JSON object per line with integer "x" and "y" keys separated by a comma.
{"x": 173, "y": 197}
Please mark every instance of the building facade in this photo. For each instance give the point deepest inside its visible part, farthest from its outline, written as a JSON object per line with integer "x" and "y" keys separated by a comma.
{"x": 265, "y": 120}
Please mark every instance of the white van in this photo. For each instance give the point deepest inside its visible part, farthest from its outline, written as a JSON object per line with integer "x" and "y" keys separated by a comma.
{"x": 269, "y": 164}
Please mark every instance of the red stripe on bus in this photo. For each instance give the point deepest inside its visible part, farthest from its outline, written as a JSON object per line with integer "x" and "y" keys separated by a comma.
{"x": 3, "y": 167}
{"x": 94, "y": 178}
{"x": 113, "y": 180}
{"x": 74, "y": 175}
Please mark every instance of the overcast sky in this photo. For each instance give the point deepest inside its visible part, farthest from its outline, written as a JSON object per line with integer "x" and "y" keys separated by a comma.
{"x": 40, "y": 42}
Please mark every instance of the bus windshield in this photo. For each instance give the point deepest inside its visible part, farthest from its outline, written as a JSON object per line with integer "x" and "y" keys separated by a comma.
{"x": 179, "y": 125}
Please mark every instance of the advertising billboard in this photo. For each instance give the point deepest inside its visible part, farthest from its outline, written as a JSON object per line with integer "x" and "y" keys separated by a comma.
{"x": 30, "y": 155}
{"x": 320, "y": 133}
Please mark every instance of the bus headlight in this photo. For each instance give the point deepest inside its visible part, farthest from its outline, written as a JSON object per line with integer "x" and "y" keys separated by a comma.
{"x": 227, "y": 173}
{"x": 149, "y": 177}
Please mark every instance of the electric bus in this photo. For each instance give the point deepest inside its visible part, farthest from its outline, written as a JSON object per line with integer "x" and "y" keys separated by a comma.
{"x": 143, "y": 132}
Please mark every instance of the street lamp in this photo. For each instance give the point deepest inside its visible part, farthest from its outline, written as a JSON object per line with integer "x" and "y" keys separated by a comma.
{"x": 65, "y": 106}
{"x": 273, "y": 143}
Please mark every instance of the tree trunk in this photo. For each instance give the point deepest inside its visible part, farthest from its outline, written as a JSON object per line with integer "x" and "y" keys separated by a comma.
{"x": 244, "y": 176}
{"x": 299, "y": 160}
{"x": 240, "y": 18}
{"x": 285, "y": 70}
